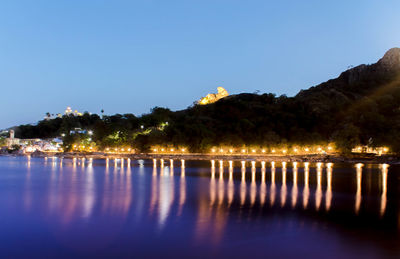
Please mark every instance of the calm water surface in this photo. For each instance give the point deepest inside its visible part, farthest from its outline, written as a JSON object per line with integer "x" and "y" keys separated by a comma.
{"x": 54, "y": 208}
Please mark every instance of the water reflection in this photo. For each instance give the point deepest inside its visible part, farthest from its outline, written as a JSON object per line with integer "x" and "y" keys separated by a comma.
{"x": 318, "y": 192}
{"x": 384, "y": 172}
{"x": 283, "y": 187}
{"x": 328, "y": 194}
{"x": 358, "y": 193}
{"x": 80, "y": 190}
{"x": 294, "y": 189}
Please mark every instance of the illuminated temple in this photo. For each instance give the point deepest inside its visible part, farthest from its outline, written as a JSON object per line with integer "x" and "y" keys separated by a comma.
{"x": 212, "y": 98}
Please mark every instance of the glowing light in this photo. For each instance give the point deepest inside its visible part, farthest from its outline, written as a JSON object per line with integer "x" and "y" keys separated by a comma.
{"x": 385, "y": 149}
{"x": 263, "y": 150}
{"x": 172, "y": 150}
{"x": 284, "y": 151}
{"x": 122, "y": 149}
{"x": 230, "y": 150}
{"x": 306, "y": 149}
{"x": 213, "y": 150}
{"x": 90, "y": 132}
{"x": 243, "y": 151}
{"x": 319, "y": 149}
{"x": 295, "y": 150}
{"x": 183, "y": 150}
{"x": 273, "y": 150}
{"x": 329, "y": 148}
{"x": 253, "y": 151}
{"x": 221, "y": 150}
{"x": 129, "y": 149}
{"x": 162, "y": 150}
{"x": 107, "y": 149}
{"x": 116, "y": 149}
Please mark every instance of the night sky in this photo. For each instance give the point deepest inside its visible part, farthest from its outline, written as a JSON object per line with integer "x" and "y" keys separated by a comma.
{"x": 129, "y": 56}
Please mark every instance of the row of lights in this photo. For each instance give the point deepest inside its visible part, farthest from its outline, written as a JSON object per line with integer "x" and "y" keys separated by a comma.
{"x": 169, "y": 150}
{"x": 107, "y": 149}
{"x": 284, "y": 151}
{"x": 119, "y": 149}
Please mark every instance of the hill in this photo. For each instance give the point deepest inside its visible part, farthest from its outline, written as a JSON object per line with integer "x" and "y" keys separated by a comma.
{"x": 361, "y": 106}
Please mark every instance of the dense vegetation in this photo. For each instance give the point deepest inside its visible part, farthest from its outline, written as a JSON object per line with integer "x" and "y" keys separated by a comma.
{"x": 361, "y": 106}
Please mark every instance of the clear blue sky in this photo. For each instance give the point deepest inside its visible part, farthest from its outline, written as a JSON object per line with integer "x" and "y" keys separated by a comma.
{"x": 129, "y": 56}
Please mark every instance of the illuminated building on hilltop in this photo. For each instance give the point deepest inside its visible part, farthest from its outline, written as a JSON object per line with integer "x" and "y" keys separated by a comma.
{"x": 69, "y": 111}
{"x": 212, "y": 98}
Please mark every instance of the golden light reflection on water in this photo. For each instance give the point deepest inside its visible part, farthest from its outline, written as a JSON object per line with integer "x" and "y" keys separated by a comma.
{"x": 283, "y": 187}
{"x": 294, "y": 188}
{"x": 253, "y": 186}
{"x": 328, "y": 194}
{"x": 243, "y": 186}
{"x": 306, "y": 190}
{"x": 231, "y": 186}
{"x": 318, "y": 192}
{"x": 384, "y": 172}
{"x": 358, "y": 193}
{"x": 273, "y": 187}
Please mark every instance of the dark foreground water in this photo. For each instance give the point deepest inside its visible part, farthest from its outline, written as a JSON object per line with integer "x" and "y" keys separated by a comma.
{"x": 53, "y": 208}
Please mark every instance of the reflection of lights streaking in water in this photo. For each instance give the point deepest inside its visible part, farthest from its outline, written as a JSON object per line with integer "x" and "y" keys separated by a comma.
{"x": 83, "y": 162}
{"x": 154, "y": 163}
{"x": 182, "y": 168}
{"x": 89, "y": 193}
{"x": 231, "y": 187}
{"x": 28, "y": 164}
{"x": 154, "y": 189}
{"x": 166, "y": 196}
{"x": 182, "y": 190}
{"x": 182, "y": 163}
{"x": 328, "y": 195}
{"x": 384, "y": 171}
{"x": 306, "y": 190}
{"x": 318, "y": 192}
{"x": 162, "y": 163}
{"x": 273, "y": 187}
{"x": 243, "y": 184}
{"x": 107, "y": 162}
{"x": 358, "y": 193}
{"x": 212, "y": 170}
{"x": 294, "y": 189}
{"x": 212, "y": 187}
{"x": 171, "y": 169}
{"x": 243, "y": 171}
{"x": 263, "y": 186}
{"x": 221, "y": 189}
{"x": 283, "y": 188}
{"x": 221, "y": 169}
{"x": 253, "y": 186}
{"x": 171, "y": 163}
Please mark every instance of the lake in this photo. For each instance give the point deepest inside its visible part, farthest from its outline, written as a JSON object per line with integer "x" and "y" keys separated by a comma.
{"x": 144, "y": 208}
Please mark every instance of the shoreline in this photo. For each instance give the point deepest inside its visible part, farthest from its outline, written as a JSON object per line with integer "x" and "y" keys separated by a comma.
{"x": 333, "y": 158}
